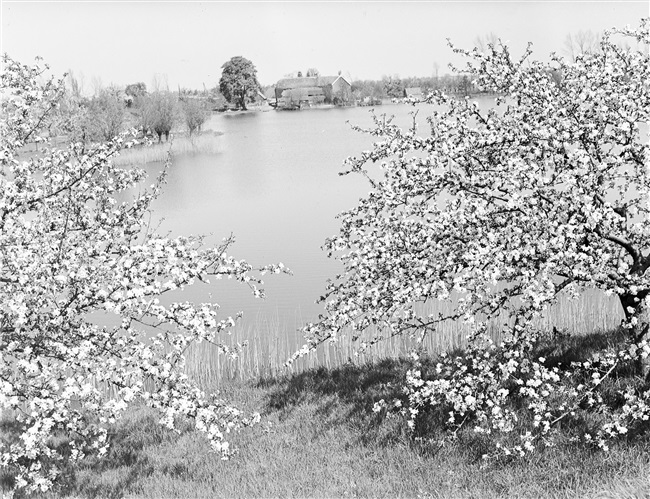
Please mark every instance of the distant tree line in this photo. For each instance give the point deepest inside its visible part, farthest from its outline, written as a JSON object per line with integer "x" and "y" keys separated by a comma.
{"x": 575, "y": 44}
{"x": 393, "y": 87}
{"x": 111, "y": 110}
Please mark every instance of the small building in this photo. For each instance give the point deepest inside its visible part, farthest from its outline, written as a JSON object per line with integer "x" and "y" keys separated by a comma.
{"x": 413, "y": 93}
{"x": 296, "y": 93}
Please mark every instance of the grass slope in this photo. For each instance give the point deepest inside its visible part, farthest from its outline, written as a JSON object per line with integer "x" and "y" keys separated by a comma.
{"x": 320, "y": 438}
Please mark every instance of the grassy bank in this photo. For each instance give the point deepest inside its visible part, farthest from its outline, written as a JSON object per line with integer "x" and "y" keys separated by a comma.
{"x": 320, "y": 438}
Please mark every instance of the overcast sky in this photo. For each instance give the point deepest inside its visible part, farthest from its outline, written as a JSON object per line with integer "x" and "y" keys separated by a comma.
{"x": 187, "y": 43}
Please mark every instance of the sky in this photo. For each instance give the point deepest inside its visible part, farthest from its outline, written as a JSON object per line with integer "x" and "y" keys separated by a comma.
{"x": 186, "y": 43}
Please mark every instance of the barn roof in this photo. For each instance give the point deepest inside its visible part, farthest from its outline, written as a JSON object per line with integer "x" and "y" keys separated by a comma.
{"x": 308, "y": 81}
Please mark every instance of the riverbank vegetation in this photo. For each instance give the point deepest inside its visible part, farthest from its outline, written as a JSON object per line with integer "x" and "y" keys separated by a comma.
{"x": 112, "y": 111}
{"x": 202, "y": 143}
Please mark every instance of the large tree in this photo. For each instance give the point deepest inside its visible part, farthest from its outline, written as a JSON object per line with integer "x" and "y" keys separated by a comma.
{"x": 500, "y": 212}
{"x": 393, "y": 86}
{"x": 75, "y": 244}
{"x": 238, "y": 82}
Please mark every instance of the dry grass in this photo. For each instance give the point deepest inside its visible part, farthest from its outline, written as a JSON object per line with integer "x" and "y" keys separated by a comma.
{"x": 625, "y": 488}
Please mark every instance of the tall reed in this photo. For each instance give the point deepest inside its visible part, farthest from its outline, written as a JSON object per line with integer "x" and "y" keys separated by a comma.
{"x": 204, "y": 143}
{"x": 269, "y": 344}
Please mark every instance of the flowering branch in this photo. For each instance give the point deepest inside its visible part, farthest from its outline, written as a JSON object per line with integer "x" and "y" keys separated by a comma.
{"x": 68, "y": 250}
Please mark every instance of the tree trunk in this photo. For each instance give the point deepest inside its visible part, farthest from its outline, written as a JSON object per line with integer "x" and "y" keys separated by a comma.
{"x": 643, "y": 365}
{"x": 641, "y": 312}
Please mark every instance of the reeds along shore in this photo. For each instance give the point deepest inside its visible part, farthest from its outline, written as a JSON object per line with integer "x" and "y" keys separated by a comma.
{"x": 270, "y": 344}
{"x": 203, "y": 143}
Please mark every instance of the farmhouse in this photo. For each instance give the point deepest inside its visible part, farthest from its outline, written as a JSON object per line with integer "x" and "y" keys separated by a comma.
{"x": 296, "y": 93}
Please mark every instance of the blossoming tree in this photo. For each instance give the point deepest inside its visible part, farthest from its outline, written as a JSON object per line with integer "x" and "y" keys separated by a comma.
{"x": 68, "y": 251}
{"x": 500, "y": 212}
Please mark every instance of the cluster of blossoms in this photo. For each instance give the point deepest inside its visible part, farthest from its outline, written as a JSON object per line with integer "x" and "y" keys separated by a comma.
{"x": 70, "y": 250}
{"x": 500, "y": 212}
{"x": 478, "y": 389}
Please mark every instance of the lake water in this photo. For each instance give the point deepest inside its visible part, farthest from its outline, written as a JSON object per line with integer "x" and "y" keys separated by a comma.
{"x": 275, "y": 185}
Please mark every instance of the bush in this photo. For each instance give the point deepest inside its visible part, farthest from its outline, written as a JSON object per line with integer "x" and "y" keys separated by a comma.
{"x": 164, "y": 108}
{"x": 108, "y": 111}
{"x": 195, "y": 113}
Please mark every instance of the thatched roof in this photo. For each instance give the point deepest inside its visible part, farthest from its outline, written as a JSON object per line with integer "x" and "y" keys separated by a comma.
{"x": 307, "y": 81}
{"x": 326, "y": 80}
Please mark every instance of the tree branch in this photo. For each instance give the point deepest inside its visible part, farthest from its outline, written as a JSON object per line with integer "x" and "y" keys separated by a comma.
{"x": 621, "y": 242}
